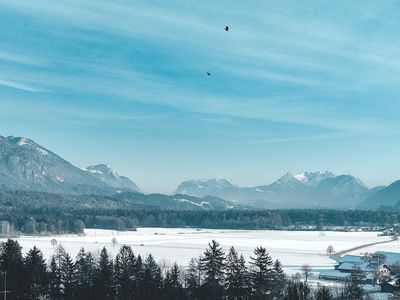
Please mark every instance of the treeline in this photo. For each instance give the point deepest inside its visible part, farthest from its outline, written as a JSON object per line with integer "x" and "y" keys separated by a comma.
{"x": 59, "y": 220}
{"x": 214, "y": 275}
{"x": 43, "y": 213}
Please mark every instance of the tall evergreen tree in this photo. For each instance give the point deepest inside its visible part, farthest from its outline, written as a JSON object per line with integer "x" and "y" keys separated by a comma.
{"x": 85, "y": 270}
{"x": 11, "y": 265}
{"x": 55, "y": 291}
{"x": 172, "y": 286}
{"x": 36, "y": 274}
{"x": 103, "y": 277}
{"x": 353, "y": 288}
{"x": 62, "y": 275}
{"x": 213, "y": 264}
{"x": 139, "y": 277}
{"x": 193, "y": 278}
{"x": 297, "y": 290}
{"x": 236, "y": 281}
{"x": 152, "y": 280}
{"x": 261, "y": 274}
{"x": 68, "y": 278}
{"x": 124, "y": 275}
{"x": 323, "y": 293}
{"x": 278, "y": 280}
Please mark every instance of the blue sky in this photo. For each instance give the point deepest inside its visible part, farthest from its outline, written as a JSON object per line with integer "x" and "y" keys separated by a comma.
{"x": 295, "y": 85}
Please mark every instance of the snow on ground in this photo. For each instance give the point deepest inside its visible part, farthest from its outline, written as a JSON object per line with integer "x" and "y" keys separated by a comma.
{"x": 389, "y": 247}
{"x": 292, "y": 248}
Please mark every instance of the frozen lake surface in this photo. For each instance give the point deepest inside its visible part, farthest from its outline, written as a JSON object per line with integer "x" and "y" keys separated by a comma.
{"x": 292, "y": 248}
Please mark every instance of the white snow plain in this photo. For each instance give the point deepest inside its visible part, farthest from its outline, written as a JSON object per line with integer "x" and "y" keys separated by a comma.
{"x": 169, "y": 245}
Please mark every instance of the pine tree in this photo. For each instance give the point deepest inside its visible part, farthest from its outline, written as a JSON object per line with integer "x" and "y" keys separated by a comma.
{"x": 68, "y": 279}
{"x": 124, "y": 273}
{"x": 213, "y": 264}
{"x": 279, "y": 280}
{"x": 261, "y": 274}
{"x": 296, "y": 290}
{"x": 62, "y": 275}
{"x": 172, "y": 285}
{"x": 193, "y": 278}
{"x": 152, "y": 280}
{"x": 353, "y": 288}
{"x": 85, "y": 269}
{"x": 236, "y": 281}
{"x": 37, "y": 275}
{"x": 55, "y": 291}
{"x": 56, "y": 272}
{"x": 103, "y": 277}
{"x": 139, "y": 277}
{"x": 304, "y": 291}
{"x": 323, "y": 293}
{"x": 291, "y": 292}
{"x": 11, "y": 263}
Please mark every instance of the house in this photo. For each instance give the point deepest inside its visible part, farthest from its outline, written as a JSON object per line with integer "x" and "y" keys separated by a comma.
{"x": 391, "y": 258}
{"x": 377, "y": 267}
{"x": 351, "y": 259}
{"x": 349, "y": 267}
{"x": 384, "y": 270}
{"x": 334, "y": 275}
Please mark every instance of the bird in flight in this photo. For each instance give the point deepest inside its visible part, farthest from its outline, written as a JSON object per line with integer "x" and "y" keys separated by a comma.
{"x": 226, "y": 28}
{"x": 208, "y": 73}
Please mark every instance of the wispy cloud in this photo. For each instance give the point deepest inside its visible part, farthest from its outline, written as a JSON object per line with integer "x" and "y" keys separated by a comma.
{"x": 17, "y": 58}
{"x": 18, "y": 86}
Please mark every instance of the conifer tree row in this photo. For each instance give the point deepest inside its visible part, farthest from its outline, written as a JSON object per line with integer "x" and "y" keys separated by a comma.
{"x": 214, "y": 275}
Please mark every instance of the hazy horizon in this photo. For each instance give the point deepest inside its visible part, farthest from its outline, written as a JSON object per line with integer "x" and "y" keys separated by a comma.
{"x": 294, "y": 87}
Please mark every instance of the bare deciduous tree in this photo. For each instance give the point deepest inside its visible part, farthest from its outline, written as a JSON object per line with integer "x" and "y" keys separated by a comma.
{"x": 306, "y": 270}
{"x": 330, "y": 250}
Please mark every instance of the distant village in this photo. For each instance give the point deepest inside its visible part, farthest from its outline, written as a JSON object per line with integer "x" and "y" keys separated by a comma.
{"x": 379, "y": 272}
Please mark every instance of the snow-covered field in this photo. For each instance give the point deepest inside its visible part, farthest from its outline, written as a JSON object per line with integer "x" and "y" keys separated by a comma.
{"x": 292, "y": 248}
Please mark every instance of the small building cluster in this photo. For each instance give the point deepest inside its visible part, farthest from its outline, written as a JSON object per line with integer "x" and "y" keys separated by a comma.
{"x": 382, "y": 268}
{"x": 394, "y": 230}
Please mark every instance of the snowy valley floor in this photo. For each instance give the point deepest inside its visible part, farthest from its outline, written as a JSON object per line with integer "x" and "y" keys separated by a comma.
{"x": 292, "y": 248}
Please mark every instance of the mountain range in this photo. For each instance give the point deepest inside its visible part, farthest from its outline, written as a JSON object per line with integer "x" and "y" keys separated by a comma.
{"x": 305, "y": 190}
{"x": 27, "y": 166}
{"x": 388, "y": 198}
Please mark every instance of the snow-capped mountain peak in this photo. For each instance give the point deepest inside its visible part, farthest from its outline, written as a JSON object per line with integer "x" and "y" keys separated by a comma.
{"x": 106, "y": 174}
{"x": 102, "y": 169}
{"x": 306, "y": 189}
{"x": 313, "y": 178}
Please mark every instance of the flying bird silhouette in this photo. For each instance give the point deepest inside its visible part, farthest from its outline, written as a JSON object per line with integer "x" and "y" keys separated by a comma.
{"x": 208, "y": 73}
{"x": 226, "y": 28}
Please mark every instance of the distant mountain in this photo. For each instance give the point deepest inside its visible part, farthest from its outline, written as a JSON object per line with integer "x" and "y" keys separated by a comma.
{"x": 25, "y": 165}
{"x": 305, "y": 190}
{"x": 342, "y": 191}
{"x": 313, "y": 178}
{"x": 111, "y": 178}
{"x": 204, "y": 187}
{"x": 388, "y": 197}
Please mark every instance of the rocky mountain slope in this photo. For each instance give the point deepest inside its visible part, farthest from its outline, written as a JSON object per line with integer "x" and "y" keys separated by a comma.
{"x": 388, "y": 197}
{"x": 25, "y": 165}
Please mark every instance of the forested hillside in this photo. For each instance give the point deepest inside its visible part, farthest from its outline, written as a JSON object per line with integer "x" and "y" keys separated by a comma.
{"x": 44, "y": 213}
